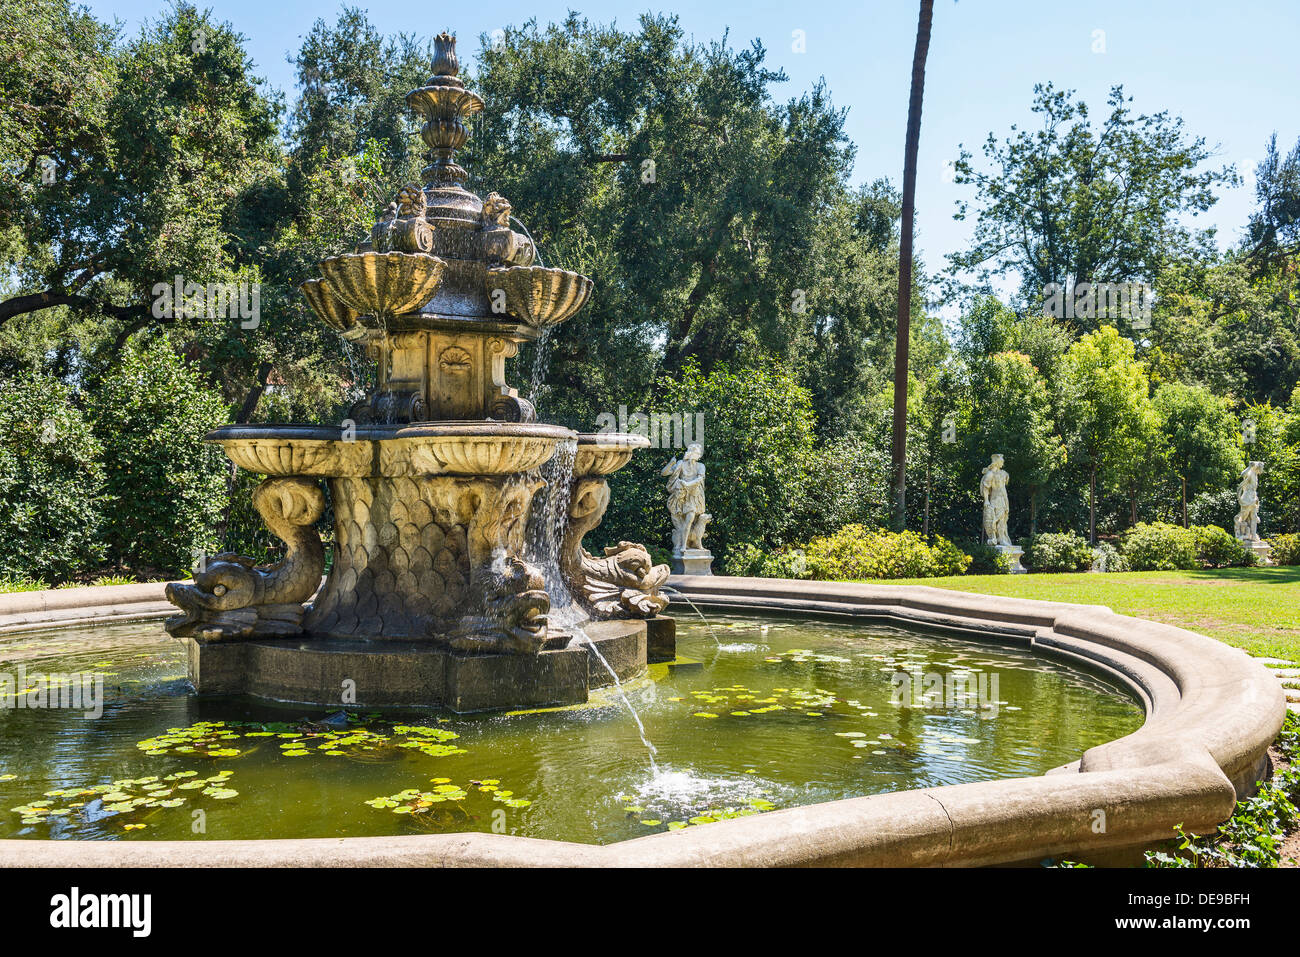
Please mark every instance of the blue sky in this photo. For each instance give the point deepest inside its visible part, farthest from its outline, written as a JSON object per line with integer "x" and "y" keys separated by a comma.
{"x": 1232, "y": 71}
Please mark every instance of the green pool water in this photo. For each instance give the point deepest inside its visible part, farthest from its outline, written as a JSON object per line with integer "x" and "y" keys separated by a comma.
{"x": 757, "y": 715}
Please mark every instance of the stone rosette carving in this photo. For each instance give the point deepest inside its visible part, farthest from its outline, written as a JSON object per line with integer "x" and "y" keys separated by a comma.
{"x": 232, "y": 597}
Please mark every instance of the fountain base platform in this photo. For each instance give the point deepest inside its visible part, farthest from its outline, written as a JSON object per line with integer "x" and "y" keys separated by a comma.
{"x": 335, "y": 672}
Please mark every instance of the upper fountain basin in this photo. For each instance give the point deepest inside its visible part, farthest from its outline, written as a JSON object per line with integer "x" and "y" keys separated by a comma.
{"x": 600, "y": 453}
{"x": 430, "y": 448}
{"x": 538, "y": 295}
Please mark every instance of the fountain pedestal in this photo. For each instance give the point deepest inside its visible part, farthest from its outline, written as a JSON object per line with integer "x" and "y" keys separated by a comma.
{"x": 401, "y": 674}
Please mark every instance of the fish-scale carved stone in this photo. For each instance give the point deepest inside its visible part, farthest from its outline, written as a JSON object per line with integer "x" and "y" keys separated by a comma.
{"x": 427, "y": 563}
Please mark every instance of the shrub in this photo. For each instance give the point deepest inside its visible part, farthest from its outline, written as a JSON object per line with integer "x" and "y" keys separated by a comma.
{"x": 747, "y": 560}
{"x": 855, "y": 552}
{"x": 758, "y": 441}
{"x": 1215, "y": 548}
{"x": 1159, "y": 546}
{"x": 1213, "y": 507}
{"x": 946, "y": 558}
{"x": 1058, "y": 552}
{"x": 166, "y": 487}
{"x": 1107, "y": 558}
{"x": 51, "y": 482}
{"x": 1286, "y": 549}
{"x": 986, "y": 560}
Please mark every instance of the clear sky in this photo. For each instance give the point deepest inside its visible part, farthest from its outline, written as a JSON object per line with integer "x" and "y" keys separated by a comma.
{"x": 1231, "y": 70}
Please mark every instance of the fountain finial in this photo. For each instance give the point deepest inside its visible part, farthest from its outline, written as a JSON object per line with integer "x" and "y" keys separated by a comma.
{"x": 444, "y": 55}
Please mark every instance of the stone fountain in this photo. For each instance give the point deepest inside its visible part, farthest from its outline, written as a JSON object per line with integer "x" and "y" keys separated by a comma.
{"x": 434, "y": 596}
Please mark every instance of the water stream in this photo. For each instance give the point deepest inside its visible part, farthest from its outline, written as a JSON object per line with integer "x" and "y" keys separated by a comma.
{"x": 545, "y": 533}
{"x": 545, "y": 536}
{"x": 708, "y": 624}
{"x": 541, "y": 363}
{"x": 581, "y": 637}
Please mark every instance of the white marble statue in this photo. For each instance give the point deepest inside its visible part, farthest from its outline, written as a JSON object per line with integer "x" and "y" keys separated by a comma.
{"x": 1247, "y": 522}
{"x": 993, "y": 489}
{"x": 686, "y": 499}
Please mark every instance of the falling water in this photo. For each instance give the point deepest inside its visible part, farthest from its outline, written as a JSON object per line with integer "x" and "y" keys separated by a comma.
{"x": 674, "y": 593}
{"x": 536, "y": 248}
{"x": 545, "y": 535}
{"x": 581, "y": 637}
{"x": 546, "y": 530}
{"x": 541, "y": 362}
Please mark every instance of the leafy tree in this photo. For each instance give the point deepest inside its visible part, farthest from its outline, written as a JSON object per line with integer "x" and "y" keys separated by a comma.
{"x": 1012, "y": 414}
{"x": 758, "y": 441}
{"x": 1073, "y": 203}
{"x": 1274, "y": 230}
{"x": 51, "y": 481}
{"x": 1107, "y": 406}
{"x": 1230, "y": 326}
{"x": 717, "y": 223}
{"x": 1197, "y": 439}
{"x": 165, "y": 487}
{"x": 163, "y": 134}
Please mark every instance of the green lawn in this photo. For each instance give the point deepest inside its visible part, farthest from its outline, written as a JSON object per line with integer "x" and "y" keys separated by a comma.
{"x": 1257, "y": 609}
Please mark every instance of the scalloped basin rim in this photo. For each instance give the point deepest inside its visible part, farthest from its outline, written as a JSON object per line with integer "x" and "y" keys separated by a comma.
{"x": 379, "y": 433}
{"x": 614, "y": 440}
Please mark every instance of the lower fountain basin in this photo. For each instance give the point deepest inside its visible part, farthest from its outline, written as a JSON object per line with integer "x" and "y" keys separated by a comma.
{"x": 311, "y": 795}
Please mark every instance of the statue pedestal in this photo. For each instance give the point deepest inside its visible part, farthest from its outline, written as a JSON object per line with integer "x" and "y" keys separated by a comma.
{"x": 1013, "y": 553}
{"x": 1261, "y": 549}
{"x": 692, "y": 561}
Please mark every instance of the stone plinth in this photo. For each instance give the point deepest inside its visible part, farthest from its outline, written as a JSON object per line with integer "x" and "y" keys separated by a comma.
{"x": 398, "y": 674}
{"x": 1013, "y": 553}
{"x": 1261, "y": 549}
{"x": 692, "y": 561}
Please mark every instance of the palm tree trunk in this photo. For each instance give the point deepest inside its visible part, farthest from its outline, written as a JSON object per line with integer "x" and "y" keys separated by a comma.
{"x": 904, "y": 327}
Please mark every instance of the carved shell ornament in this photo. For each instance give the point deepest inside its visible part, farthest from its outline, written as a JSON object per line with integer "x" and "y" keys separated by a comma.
{"x": 539, "y": 295}
{"x": 455, "y": 361}
{"x": 383, "y": 284}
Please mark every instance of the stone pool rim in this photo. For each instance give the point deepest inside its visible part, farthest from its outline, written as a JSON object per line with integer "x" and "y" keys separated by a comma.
{"x": 1211, "y": 713}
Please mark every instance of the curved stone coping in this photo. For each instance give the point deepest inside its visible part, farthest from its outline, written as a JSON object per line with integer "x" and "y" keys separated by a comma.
{"x": 30, "y": 610}
{"x": 1211, "y": 714}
